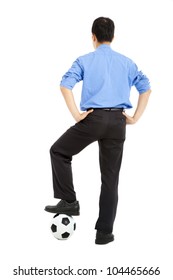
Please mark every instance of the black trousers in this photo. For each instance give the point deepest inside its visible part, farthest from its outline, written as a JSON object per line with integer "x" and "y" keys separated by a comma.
{"x": 108, "y": 128}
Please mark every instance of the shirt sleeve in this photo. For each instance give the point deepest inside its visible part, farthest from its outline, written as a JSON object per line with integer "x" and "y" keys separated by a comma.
{"x": 73, "y": 75}
{"x": 138, "y": 79}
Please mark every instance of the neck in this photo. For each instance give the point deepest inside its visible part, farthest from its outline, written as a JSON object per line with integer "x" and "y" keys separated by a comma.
{"x": 103, "y": 43}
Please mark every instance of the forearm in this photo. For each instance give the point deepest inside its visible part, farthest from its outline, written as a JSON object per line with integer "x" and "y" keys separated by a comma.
{"x": 141, "y": 106}
{"x": 70, "y": 102}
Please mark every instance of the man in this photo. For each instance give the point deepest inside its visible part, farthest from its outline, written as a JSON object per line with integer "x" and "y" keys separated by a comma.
{"x": 107, "y": 79}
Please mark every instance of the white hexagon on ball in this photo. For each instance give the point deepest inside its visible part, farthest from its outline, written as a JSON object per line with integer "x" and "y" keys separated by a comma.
{"x": 62, "y": 226}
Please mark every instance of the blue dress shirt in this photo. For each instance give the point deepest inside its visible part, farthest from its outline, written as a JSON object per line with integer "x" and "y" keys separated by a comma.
{"x": 107, "y": 79}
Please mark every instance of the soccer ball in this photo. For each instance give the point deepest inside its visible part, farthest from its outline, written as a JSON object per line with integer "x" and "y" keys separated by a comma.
{"x": 62, "y": 226}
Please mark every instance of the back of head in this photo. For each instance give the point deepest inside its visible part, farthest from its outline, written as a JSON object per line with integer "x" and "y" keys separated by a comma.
{"x": 103, "y": 29}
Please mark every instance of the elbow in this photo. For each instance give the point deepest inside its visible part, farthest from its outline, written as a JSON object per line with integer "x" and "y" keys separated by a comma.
{"x": 65, "y": 90}
{"x": 61, "y": 88}
{"x": 148, "y": 92}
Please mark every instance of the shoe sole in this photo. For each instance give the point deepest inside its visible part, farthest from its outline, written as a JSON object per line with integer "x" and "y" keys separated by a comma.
{"x": 103, "y": 242}
{"x": 70, "y": 213}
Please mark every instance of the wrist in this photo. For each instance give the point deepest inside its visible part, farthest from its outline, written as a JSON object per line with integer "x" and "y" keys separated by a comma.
{"x": 77, "y": 117}
{"x": 135, "y": 118}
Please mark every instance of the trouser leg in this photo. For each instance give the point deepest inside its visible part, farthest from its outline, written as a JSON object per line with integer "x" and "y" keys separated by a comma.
{"x": 110, "y": 155}
{"x": 70, "y": 143}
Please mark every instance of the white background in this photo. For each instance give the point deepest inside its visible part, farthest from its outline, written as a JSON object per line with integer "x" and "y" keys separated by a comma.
{"x": 39, "y": 42}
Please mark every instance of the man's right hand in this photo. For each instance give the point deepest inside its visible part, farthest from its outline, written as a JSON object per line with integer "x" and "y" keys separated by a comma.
{"x": 83, "y": 115}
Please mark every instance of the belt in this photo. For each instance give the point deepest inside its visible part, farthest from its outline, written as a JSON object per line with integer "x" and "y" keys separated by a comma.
{"x": 107, "y": 109}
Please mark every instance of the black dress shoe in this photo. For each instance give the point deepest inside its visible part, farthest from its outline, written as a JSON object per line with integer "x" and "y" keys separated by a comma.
{"x": 103, "y": 238}
{"x": 63, "y": 207}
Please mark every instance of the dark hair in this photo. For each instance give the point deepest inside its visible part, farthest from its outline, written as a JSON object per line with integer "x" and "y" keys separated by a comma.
{"x": 103, "y": 29}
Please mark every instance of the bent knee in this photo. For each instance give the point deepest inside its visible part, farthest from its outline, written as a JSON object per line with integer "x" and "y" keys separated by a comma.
{"x": 53, "y": 150}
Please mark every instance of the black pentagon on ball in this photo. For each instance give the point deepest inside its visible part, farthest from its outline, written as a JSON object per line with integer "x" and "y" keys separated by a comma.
{"x": 74, "y": 226}
{"x": 56, "y": 215}
{"x": 53, "y": 228}
{"x": 65, "y": 221}
{"x": 65, "y": 235}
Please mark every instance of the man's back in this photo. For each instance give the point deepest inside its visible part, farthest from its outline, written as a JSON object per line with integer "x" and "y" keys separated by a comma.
{"x": 107, "y": 78}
